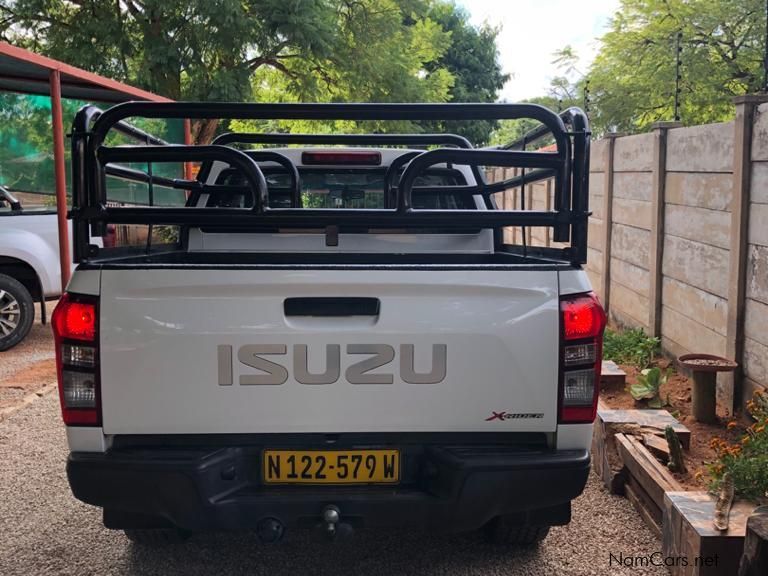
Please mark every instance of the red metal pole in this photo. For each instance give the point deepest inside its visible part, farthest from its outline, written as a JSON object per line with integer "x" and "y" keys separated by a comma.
{"x": 187, "y": 141}
{"x": 60, "y": 174}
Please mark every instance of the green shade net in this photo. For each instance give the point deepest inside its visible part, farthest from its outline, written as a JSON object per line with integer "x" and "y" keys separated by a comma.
{"x": 26, "y": 151}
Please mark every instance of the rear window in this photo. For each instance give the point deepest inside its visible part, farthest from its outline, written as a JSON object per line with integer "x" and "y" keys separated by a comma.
{"x": 342, "y": 188}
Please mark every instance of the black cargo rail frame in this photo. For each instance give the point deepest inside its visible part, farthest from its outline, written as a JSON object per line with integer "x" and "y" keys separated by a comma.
{"x": 568, "y": 165}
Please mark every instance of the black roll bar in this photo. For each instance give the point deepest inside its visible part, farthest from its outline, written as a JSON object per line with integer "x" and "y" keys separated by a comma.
{"x": 345, "y": 139}
{"x": 568, "y": 165}
{"x": 176, "y": 153}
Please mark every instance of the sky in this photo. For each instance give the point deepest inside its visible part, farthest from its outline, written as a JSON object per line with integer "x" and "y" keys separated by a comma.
{"x": 532, "y": 30}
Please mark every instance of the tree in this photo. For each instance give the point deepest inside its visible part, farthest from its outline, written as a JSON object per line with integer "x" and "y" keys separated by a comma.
{"x": 564, "y": 91}
{"x": 633, "y": 76}
{"x": 473, "y": 60}
{"x": 325, "y": 50}
{"x": 437, "y": 56}
{"x": 196, "y": 50}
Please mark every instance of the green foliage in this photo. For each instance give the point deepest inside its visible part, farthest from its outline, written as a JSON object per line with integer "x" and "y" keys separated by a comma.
{"x": 472, "y": 60}
{"x": 632, "y": 79}
{"x": 649, "y": 383}
{"x": 562, "y": 94}
{"x": 271, "y": 50}
{"x": 746, "y": 461}
{"x": 630, "y": 347}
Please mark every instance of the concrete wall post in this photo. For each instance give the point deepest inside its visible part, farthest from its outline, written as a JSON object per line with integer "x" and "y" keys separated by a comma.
{"x": 742, "y": 174}
{"x": 659, "y": 179}
{"x": 605, "y": 278}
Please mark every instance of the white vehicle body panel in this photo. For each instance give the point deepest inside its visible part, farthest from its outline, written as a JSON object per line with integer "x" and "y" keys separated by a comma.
{"x": 160, "y": 329}
{"x": 33, "y": 239}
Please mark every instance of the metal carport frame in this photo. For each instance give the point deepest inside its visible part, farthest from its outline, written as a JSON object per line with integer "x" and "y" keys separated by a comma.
{"x": 29, "y": 73}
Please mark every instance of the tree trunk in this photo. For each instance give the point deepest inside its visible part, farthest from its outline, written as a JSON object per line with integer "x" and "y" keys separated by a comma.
{"x": 754, "y": 562}
{"x": 204, "y": 130}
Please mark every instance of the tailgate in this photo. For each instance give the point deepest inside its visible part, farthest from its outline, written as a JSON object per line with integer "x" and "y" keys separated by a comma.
{"x": 215, "y": 351}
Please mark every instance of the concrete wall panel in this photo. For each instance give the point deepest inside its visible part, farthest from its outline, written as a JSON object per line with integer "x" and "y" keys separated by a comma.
{"x": 630, "y": 306}
{"x": 595, "y": 260}
{"x": 632, "y": 212}
{"x": 760, "y": 134}
{"x": 699, "y": 224}
{"x": 756, "y": 360}
{"x": 594, "y": 280}
{"x": 630, "y": 244}
{"x": 633, "y": 185}
{"x": 706, "y": 148}
{"x": 758, "y": 224}
{"x": 759, "y": 191}
{"x": 757, "y": 273}
{"x": 696, "y": 304}
{"x": 633, "y": 153}
{"x": 691, "y": 335}
{"x": 596, "y": 186}
{"x": 638, "y": 279}
{"x": 595, "y": 234}
{"x": 713, "y": 191}
{"x": 756, "y": 321}
{"x": 596, "y": 206}
{"x": 697, "y": 264}
{"x": 597, "y": 155}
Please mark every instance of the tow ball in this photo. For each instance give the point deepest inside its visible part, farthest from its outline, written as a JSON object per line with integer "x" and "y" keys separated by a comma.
{"x": 332, "y": 524}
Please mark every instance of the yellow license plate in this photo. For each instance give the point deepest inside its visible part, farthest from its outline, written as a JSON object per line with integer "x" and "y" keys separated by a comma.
{"x": 331, "y": 466}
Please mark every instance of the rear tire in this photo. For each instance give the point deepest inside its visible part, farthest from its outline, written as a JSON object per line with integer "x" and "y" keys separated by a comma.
{"x": 157, "y": 536}
{"x": 501, "y": 531}
{"x": 17, "y": 312}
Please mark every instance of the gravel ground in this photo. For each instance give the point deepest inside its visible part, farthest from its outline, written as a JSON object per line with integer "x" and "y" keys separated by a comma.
{"x": 38, "y": 345}
{"x": 44, "y": 530}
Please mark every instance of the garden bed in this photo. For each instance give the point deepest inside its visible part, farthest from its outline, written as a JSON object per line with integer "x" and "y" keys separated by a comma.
{"x": 630, "y": 456}
{"x": 677, "y": 392}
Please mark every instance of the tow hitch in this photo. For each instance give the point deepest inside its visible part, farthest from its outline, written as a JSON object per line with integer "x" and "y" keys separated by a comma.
{"x": 332, "y": 525}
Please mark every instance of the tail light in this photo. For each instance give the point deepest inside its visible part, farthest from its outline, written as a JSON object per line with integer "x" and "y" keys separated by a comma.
{"x": 75, "y": 330}
{"x": 581, "y": 354}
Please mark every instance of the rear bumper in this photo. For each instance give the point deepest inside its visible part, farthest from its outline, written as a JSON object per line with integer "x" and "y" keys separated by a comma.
{"x": 446, "y": 488}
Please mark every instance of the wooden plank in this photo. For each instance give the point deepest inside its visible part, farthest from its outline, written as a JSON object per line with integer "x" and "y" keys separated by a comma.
{"x": 605, "y": 459}
{"x": 658, "y": 419}
{"x": 688, "y": 532}
{"x": 754, "y": 562}
{"x": 657, "y": 446}
{"x": 651, "y": 475}
{"x": 646, "y": 507}
{"x": 611, "y": 374}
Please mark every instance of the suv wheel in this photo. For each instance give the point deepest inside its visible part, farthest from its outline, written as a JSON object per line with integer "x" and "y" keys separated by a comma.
{"x": 157, "y": 536}
{"x": 17, "y": 312}
{"x": 501, "y": 531}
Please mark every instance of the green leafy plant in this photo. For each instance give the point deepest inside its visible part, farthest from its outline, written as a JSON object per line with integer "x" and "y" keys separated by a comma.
{"x": 630, "y": 347}
{"x": 649, "y": 382}
{"x": 747, "y": 460}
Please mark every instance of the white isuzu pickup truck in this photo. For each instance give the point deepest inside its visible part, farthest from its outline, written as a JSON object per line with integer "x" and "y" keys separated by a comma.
{"x": 338, "y": 337}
